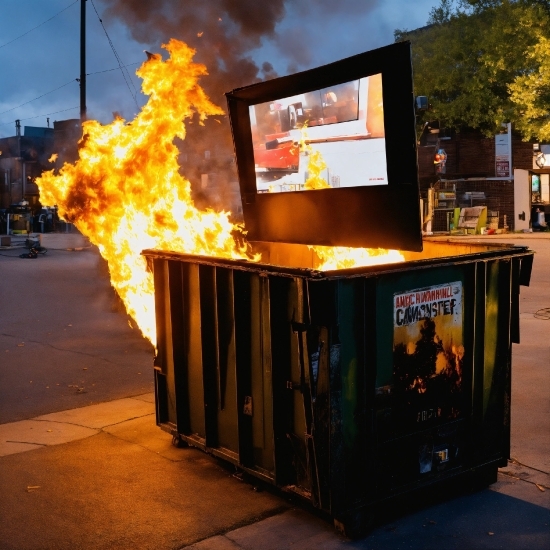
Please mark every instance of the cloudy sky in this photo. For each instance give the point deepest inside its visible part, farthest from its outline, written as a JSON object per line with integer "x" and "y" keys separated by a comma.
{"x": 239, "y": 40}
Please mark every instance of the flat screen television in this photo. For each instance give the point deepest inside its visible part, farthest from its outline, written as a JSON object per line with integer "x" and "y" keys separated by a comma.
{"x": 328, "y": 156}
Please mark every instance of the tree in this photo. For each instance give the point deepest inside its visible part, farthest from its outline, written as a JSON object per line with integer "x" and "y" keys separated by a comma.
{"x": 530, "y": 93}
{"x": 474, "y": 58}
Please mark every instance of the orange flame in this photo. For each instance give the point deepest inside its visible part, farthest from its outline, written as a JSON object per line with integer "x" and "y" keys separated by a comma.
{"x": 315, "y": 163}
{"x": 125, "y": 193}
{"x": 342, "y": 257}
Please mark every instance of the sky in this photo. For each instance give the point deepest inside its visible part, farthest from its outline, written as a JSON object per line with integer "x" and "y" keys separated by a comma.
{"x": 240, "y": 41}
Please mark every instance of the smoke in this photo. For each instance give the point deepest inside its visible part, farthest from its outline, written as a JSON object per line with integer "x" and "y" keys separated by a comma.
{"x": 224, "y": 34}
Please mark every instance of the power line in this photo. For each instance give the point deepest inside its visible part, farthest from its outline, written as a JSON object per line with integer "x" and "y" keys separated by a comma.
{"x": 31, "y": 100}
{"x": 62, "y": 86}
{"x": 38, "y": 116}
{"x": 115, "y": 69}
{"x": 117, "y": 58}
{"x": 43, "y": 22}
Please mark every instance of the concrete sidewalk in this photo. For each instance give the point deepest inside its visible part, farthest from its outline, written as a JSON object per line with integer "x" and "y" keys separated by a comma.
{"x": 105, "y": 476}
{"x": 72, "y": 425}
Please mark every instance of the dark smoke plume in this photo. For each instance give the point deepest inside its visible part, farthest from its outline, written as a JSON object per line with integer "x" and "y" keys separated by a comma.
{"x": 223, "y": 33}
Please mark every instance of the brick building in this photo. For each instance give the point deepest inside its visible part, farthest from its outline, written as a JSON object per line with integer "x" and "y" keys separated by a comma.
{"x": 470, "y": 172}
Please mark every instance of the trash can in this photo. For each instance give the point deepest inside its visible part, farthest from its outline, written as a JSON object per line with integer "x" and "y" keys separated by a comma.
{"x": 346, "y": 387}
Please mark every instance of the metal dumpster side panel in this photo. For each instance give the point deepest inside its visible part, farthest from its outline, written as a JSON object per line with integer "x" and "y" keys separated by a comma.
{"x": 188, "y": 345}
{"x": 350, "y": 323}
{"x": 210, "y": 319}
{"x": 297, "y": 374}
{"x": 497, "y": 364}
{"x": 295, "y": 318}
{"x": 254, "y": 396}
{"x": 210, "y": 352}
{"x": 288, "y": 418}
{"x": 165, "y": 387}
{"x": 227, "y": 402}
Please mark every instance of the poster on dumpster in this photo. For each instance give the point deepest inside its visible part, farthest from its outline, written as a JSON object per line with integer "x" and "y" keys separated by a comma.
{"x": 428, "y": 354}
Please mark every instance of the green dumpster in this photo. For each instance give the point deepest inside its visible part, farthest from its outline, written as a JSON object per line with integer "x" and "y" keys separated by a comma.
{"x": 346, "y": 387}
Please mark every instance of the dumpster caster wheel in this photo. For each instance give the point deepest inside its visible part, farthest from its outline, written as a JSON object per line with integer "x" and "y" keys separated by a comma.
{"x": 178, "y": 442}
{"x": 355, "y": 525}
{"x": 485, "y": 477}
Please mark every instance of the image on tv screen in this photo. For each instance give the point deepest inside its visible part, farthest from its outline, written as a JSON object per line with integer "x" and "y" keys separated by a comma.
{"x": 327, "y": 138}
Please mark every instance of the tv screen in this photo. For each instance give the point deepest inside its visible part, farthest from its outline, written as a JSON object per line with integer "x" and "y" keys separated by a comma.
{"x": 324, "y": 131}
{"x": 328, "y": 156}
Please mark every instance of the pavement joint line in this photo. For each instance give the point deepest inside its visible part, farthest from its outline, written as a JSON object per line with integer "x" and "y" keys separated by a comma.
{"x": 137, "y": 398}
{"x": 37, "y": 419}
{"x": 243, "y": 523}
{"x": 27, "y": 443}
{"x": 510, "y": 474}
{"x": 63, "y": 349}
{"x": 157, "y": 453}
{"x": 68, "y": 423}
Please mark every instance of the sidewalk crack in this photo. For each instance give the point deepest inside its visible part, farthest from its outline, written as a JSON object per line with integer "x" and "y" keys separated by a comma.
{"x": 90, "y": 427}
{"x": 518, "y": 463}
{"x": 538, "y": 485}
{"x": 26, "y": 442}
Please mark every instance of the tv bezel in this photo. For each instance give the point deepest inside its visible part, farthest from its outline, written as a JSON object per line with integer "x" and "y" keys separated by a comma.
{"x": 373, "y": 216}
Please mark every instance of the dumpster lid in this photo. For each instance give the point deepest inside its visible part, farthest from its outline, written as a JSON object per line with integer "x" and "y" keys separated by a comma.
{"x": 328, "y": 156}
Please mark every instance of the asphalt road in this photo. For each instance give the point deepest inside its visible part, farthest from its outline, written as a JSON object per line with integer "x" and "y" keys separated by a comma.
{"x": 49, "y": 307}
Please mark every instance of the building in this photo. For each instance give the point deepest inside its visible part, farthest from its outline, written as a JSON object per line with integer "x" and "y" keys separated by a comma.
{"x": 23, "y": 158}
{"x": 474, "y": 173}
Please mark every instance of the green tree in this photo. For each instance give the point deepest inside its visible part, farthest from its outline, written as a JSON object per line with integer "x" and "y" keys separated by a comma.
{"x": 474, "y": 58}
{"x": 530, "y": 93}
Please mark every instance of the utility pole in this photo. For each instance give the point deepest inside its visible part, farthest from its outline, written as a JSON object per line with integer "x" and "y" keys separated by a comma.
{"x": 23, "y": 175}
{"x": 82, "y": 60}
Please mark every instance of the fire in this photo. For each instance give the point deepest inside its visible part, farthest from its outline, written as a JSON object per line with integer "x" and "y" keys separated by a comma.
{"x": 125, "y": 193}
{"x": 315, "y": 164}
{"x": 341, "y": 257}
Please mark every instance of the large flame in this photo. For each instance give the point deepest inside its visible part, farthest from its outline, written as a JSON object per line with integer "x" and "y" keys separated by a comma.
{"x": 126, "y": 193}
